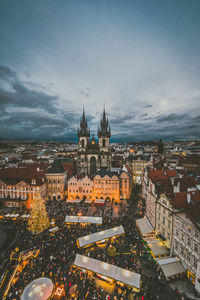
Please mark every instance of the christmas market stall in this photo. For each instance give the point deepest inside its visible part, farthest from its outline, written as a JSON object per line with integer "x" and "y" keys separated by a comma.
{"x": 171, "y": 267}
{"x": 108, "y": 272}
{"x": 100, "y": 236}
{"x": 83, "y": 220}
{"x": 144, "y": 227}
{"x": 39, "y": 289}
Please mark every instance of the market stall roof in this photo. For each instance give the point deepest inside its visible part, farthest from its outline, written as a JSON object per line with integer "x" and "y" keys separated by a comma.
{"x": 101, "y": 235}
{"x": 171, "y": 266}
{"x": 111, "y": 271}
{"x": 157, "y": 247}
{"x": 53, "y": 229}
{"x": 83, "y": 219}
{"x": 144, "y": 226}
{"x": 39, "y": 289}
{"x": 7, "y": 215}
{"x": 74, "y": 200}
{"x": 99, "y": 201}
{"x": 89, "y": 201}
{"x": 25, "y": 216}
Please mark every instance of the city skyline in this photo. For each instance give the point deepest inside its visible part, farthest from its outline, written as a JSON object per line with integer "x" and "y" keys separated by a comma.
{"x": 139, "y": 59}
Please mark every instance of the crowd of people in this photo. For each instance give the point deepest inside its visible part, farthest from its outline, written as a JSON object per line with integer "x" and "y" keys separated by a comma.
{"x": 57, "y": 254}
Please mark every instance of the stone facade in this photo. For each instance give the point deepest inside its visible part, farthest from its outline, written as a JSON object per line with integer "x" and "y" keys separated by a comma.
{"x": 93, "y": 155}
{"x": 105, "y": 185}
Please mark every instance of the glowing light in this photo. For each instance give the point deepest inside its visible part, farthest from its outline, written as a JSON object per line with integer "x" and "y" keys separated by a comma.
{"x": 105, "y": 266}
{"x": 37, "y": 290}
{"x": 101, "y": 232}
{"x": 115, "y": 229}
{"x": 85, "y": 259}
{"x": 126, "y": 273}
{"x": 86, "y": 237}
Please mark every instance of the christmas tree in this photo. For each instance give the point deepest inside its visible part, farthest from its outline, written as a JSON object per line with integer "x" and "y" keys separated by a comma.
{"x": 39, "y": 219}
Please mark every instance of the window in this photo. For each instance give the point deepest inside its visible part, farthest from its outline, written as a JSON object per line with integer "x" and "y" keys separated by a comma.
{"x": 169, "y": 224}
{"x": 182, "y": 250}
{"x": 176, "y": 232}
{"x": 182, "y": 237}
{"x": 189, "y": 242}
{"x": 163, "y": 221}
{"x": 158, "y": 216}
{"x": 195, "y": 247}
{"x": 176, "y": 245}
{"x": 188, "y": 255}
{"x": 196, "y": 234}
{"x": 195, "y": 262}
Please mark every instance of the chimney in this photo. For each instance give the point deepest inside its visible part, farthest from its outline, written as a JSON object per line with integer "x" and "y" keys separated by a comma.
{"x": 177, "y": 187}
{"x": 189, "y": 200}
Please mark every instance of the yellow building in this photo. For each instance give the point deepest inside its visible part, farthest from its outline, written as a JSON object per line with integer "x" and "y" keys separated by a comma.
{"x": 56, "y": 178}
{"x": 139, "y": 163}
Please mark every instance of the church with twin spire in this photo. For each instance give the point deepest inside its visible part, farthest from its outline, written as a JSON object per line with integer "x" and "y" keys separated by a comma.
{"x": 93, "y": 155}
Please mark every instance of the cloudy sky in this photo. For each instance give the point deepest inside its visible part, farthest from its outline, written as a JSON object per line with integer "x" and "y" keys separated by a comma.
{"x": 140, "y": 58}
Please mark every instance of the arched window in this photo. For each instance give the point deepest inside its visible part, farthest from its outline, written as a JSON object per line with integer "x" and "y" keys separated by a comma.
{"x": 83, "y": 143}
{"x": 104, "y": 143}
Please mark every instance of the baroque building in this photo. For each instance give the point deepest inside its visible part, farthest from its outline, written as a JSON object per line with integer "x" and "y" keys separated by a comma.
{"x": 93, "y": 155}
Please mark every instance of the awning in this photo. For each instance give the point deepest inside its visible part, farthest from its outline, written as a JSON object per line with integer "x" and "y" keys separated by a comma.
{"x": 53, "y": 229}
{"x": 144, "y": 226}
{"x": 157, "y": 248}
{"x": 74, "y": 200}
{"x": 83, "y": 219}
{"x": 101, "y": 235}
{"x": 171, "y": 266}
{"x": 108, "y": 270}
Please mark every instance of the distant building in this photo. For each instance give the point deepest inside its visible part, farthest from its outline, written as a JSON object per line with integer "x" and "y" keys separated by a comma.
{"x": 139, "y": 163}
{"x": 93, "y": 155}
{"x": 105, "y": 185}
{"x": 20, "y": 186}
{"x": 56, "y": 178}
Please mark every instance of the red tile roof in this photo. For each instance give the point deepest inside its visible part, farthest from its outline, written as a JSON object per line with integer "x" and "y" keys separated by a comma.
{"x": 179, "y": 200}
{"x": 161, "y": 174}
{"x": 15, "y": 175}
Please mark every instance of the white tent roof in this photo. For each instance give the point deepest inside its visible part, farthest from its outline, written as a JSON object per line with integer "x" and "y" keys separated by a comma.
{"x": 144, "y": 226}
{"x": 39, "y": 289}
{"x": 101, "y": 235}
{"x": 156, "y": 246}
{"x": 53, "y": 229}
{"x": 83, "y": 219}
{"x": 99, "y": 201}
{"x": 111, "y": 271}
{"x": 7, "y": 215}
{"x": 73, "y": 200}
{"x": 171, "y": 266}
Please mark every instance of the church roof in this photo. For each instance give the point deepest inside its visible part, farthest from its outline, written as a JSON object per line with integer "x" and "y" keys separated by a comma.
{"x": 56, "y": 167}
{"x": 103, "y": 173}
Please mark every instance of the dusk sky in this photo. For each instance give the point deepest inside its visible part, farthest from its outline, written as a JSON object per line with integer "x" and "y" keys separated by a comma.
{"x": 140, "y": 58}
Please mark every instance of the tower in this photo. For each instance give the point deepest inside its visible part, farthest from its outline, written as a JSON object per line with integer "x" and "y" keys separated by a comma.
{"x": 104, "y": 134}
{"x": 83, "y": 133}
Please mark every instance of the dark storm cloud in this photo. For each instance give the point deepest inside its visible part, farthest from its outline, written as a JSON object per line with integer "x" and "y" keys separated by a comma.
{"x": 20, "y": 96}
{"x": 123, "y": 119}
{"x": 148, "y": 106}
{"x": 6, "y": 73}
{"x": 86, "y": 94}
{"x": 172, "y": 117}
{"x": 30, "y": 113}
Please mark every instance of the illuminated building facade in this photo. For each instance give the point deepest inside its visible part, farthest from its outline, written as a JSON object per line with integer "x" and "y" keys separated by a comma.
{"x": 21, "y": 186}
{"x": 105, "y": 185}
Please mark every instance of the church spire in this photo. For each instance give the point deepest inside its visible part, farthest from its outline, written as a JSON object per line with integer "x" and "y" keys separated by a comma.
{"x": 104, "y": 129}
{"x": 83, "y": 129}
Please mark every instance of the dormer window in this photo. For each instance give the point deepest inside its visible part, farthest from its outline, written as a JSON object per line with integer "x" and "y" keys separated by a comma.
{"x": 33, "y": 181}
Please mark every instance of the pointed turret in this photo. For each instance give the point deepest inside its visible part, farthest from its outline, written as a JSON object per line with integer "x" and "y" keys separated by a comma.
{"x": 104, "y": 130}
{"x": 83, "y": 130}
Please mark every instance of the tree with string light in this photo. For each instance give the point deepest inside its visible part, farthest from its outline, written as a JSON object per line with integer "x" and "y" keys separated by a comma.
{"x": 39, "y": 220}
